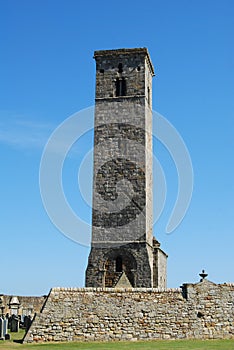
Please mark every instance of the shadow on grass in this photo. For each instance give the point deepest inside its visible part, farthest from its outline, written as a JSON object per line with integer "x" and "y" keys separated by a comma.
{"x": 20, "y": 341}
{"x": 17, "y": 337}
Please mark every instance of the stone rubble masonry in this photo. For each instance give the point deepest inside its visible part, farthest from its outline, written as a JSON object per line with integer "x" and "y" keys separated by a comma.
{"x": 203, "y": 311}
{"x": 27, "y": 303}
{"x": 122, "y": 215}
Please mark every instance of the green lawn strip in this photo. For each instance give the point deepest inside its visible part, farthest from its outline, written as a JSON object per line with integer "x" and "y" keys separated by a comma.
{"x": 17, "y": 335}
{"x": 149, "y": 345}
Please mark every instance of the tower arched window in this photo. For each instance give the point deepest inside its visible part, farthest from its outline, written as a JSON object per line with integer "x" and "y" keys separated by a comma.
{"x": 121, "y": 87}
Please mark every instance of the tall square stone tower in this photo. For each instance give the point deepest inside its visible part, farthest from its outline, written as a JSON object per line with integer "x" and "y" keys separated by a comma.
{"x": 123, "y": 250}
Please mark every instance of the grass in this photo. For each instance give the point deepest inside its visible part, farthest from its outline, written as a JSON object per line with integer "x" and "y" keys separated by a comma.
{"x": 149, "y": 345}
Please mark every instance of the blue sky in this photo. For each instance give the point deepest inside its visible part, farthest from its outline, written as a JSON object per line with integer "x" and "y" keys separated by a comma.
{"x": 48, "y": 73}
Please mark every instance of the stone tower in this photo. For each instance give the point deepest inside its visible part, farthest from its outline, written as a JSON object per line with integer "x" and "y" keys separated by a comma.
{"x": 123, "y": 250}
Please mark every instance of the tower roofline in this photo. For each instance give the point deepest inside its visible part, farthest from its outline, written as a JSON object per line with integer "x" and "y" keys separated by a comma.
{"x": 115, "y": 52}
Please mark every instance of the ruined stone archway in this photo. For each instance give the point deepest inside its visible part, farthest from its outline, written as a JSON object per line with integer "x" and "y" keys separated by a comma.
{"x": 117, "y": 262}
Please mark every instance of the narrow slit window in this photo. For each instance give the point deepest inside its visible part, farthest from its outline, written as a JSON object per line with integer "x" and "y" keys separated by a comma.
{"x": 148, "y": 95}
{"x": 120, "y": 87}
{"x": 120, "y": 68}
{"x": 119, "y": 264}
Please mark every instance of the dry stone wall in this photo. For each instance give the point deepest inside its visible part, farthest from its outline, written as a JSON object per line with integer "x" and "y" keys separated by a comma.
{"x": 27, "y": 304}
{"x": 203, "y": 310}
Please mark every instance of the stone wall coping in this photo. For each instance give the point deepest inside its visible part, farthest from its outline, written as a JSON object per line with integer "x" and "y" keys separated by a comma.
{"x": 163, "y": 252}
{"x": 129, "y": 290}
{"x": 116, "y": 290}
{"x": 120, "y": 51}
{"x": 229, "y": 284}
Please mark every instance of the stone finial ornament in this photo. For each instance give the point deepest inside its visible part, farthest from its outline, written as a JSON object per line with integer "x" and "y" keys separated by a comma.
{"x": 203, "y": 275}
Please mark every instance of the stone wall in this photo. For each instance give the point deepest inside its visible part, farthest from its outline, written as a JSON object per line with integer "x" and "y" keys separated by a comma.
{"x": 28, "y": 305}
{"x": 203, "y": 310}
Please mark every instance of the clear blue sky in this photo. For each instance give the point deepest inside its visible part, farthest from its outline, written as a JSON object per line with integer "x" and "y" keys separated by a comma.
{"x": 47, "y": 73}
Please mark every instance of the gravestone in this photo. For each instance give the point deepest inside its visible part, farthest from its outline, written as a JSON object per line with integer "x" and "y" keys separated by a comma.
{"x": 5, "y": 325}
{"x": 14, "y": 324}
{"x": 14, "y": 305}
{"x": 27, "y": 322}
{"x": 9, "y": 320}
{"x": 1, "y": 329}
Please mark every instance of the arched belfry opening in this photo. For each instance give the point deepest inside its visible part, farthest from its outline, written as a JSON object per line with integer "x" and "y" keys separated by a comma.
{"x": 116, "y": 264}
{"x": 121, "y": 87}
